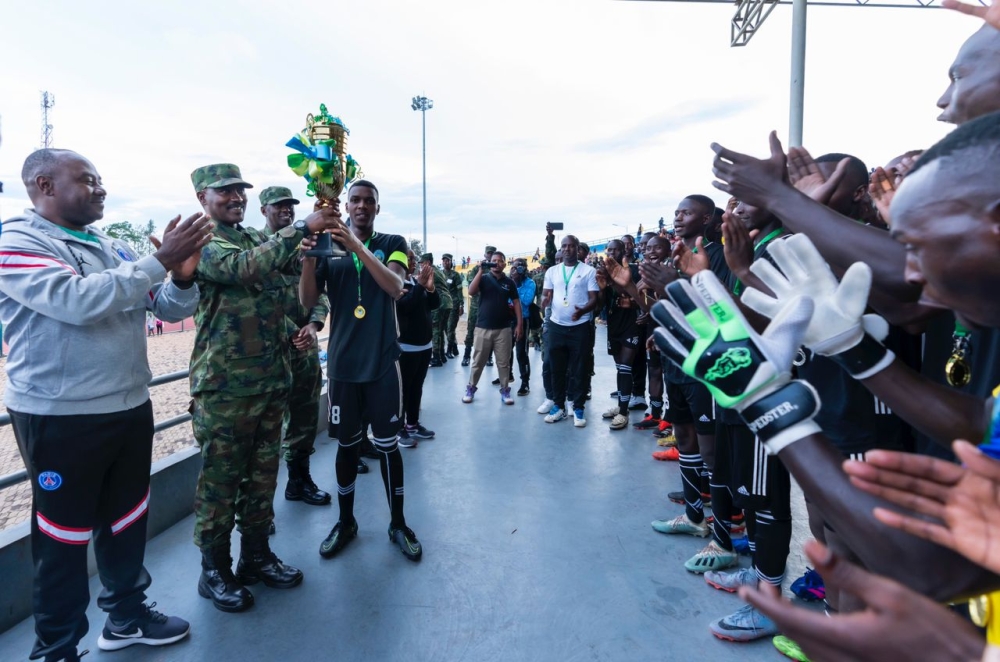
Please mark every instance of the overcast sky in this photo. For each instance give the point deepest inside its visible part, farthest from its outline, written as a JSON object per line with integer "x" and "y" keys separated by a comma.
{"x": 596, "y": 113}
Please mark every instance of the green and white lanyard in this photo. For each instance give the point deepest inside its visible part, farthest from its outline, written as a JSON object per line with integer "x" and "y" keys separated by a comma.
{"x": 359, "y": 311}
{"x": 566, "y": 280}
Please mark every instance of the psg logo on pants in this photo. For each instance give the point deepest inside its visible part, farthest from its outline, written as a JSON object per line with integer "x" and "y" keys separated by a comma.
{"x": 49, "y": 480}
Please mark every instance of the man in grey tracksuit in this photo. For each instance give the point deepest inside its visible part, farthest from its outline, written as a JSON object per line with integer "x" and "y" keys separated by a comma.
{"x": 73, "y": 305}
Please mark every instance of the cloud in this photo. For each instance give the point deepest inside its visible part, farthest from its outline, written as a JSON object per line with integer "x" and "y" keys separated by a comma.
{"x": 670, "y": 121}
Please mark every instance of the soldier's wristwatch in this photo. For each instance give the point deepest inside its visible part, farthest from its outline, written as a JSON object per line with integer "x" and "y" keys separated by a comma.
{"x": 301, "y": 226}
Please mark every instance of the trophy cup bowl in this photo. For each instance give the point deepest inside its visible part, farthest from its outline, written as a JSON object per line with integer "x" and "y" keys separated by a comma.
{"x": 327, "y": 194}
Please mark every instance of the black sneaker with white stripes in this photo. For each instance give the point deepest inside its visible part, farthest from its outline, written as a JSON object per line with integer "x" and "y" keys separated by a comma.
{"x": 150, "y": 627}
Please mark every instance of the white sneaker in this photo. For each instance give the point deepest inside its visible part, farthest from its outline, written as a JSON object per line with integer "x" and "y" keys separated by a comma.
{"x": 556, "y": 414}
{"x": 546, "y": 406}
{"x": 611, "y": 413}
{"x": 578, "y": 420}
{"x": 619, "y": 422}
{"x": 637, "y": 402}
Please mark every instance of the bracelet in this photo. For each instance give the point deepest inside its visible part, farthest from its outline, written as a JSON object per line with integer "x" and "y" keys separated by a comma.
{"x": 784, "y": 416}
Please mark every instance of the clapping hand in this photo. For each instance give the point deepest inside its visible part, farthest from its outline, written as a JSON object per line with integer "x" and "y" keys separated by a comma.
{"x": 962, "y": 502}
{"x": 426, "y": 277}
{"x": 896, "y": 623}
{"x": 805, "y": 175}
{"x": 690, "y": 261}
{"x": 180, "y": 250}
{"x": 989, "y": 14}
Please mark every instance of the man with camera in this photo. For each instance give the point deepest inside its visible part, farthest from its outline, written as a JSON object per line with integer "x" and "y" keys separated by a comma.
{"x": 493, "y": 330}
{"x": 474, "y": 307}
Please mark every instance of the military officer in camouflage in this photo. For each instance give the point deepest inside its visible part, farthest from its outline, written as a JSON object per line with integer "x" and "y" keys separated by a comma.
{"x": 301, "y": 419}
{"x": 474, "y": 309}
{"x": 535, "y": 336}
{"x": 440, "y": 315}
{"x": 454, "y": 282}
{"x": 240, "y": 381}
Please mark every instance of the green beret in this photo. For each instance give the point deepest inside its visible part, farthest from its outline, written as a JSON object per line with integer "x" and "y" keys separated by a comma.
{"x": 275, "y": 194}
{"x": 217, "y": 175}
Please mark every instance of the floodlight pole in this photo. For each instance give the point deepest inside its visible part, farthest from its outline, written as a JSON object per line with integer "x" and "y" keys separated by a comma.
{"x": 797, "y": 92}
{"x": 423, "y": 104}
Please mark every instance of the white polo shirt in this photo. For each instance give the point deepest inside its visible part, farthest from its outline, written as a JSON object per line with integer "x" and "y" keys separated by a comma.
{"x": 570, "y": 290}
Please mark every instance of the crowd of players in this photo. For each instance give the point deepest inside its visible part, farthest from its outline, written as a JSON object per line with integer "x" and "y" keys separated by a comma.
{"x": 830, "y": 324}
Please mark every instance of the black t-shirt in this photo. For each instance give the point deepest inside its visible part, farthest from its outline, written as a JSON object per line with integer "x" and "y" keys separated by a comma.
{"x": 361, "y": 350}
{"x": 495, "y": 295}
{"x": 622, "y": 310}
{"x": 850, "y": 415}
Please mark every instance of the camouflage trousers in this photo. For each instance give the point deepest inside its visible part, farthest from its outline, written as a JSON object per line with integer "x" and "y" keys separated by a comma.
{"x": 471, "y": 322}
{"x": 301, "y": 420}
{"x": 535, "y": 336}
{"x": 439, "y": 329}
{"x": 239, "y": 438}
{"x": 453, "y": 318}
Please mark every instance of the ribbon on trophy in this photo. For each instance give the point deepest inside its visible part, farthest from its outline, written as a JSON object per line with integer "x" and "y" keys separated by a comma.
{"x": 323, "y": 160}
{"x": 319, "y": 157}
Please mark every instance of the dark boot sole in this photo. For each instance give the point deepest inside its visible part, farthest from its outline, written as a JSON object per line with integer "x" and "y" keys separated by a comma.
{"x": 205, "y": 593}
{"x": 250, "y": 580}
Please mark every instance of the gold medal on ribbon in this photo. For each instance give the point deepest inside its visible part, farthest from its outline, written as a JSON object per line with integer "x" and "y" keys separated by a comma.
{"x": 359, "y": 312}
{"x": 957, "y": 370}
{"x": 565, "y": 303}
{"x": 979, "y": 611}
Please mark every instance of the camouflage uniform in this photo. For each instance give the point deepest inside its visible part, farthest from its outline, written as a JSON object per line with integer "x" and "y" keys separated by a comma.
{"x": 240, "y": 371}
{"x": 440, "y": 315}
{"x": 473, "y": 306}
{"x": 454, "y": 282}
{"x": 301, "y": 420}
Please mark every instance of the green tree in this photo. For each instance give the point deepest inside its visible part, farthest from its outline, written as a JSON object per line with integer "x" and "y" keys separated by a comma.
{"x": 417, "y": 247}
{"x": 136, "y": 235}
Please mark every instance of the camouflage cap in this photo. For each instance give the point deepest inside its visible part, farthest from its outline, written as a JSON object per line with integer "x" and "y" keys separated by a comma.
{"x": 544, "y": 262}
{"x": 447, "y": 256}
{"x": 273, "y": 194}
{"x": 491, "y": 249}
{"x": 217, "y": 175}
{"x": 427, "y": 257}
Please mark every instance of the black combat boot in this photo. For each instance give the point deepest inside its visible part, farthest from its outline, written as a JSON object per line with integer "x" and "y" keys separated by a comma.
{"x": 259, "y": 564}
{"x": 452, "y": 352}
{"x": 435, "y": 360}
{"x": 467, "y": 357}
{"x": 301, "y": 486}
{"x": 218, "y": 584}
{"x": 443, "y": 356}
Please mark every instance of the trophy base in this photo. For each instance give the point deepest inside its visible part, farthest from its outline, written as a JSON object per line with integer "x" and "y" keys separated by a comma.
{"x": 326, "y": 247}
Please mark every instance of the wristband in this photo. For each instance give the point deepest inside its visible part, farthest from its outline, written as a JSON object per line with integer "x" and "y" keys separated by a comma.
{"x": 784, "y": 416}
{"x": 865, "y": 359}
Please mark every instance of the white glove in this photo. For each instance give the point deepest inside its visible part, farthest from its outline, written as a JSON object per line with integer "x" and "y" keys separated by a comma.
{"x": 838, "y": 323}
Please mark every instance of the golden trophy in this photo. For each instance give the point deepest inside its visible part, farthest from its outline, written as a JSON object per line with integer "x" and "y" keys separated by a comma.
{"x": 323, "y": 160}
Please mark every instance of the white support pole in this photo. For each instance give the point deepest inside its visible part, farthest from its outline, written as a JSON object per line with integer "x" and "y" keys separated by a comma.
{"x": 796, "y": 105}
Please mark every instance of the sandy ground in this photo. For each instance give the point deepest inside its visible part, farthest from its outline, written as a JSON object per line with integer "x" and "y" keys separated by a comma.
{"x": 167, "y": 353}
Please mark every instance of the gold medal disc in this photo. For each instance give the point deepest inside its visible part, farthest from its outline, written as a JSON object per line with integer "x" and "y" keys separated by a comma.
{"x": 957, "y": 370}
{"x": 359, "y": 312}
{"x": 565, "y": 303}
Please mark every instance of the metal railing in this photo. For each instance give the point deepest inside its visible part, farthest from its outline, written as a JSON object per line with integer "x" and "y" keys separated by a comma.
{"x": 22, "y": 475}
